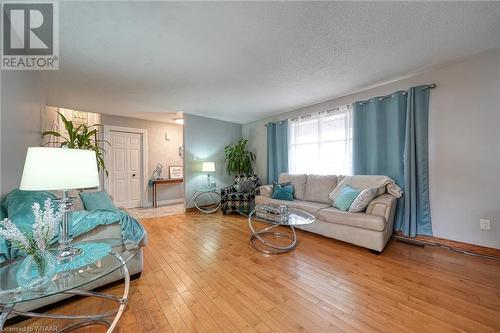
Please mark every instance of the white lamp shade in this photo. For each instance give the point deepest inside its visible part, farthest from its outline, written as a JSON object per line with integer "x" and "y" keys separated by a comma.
{"x": 48, "y": 169}
{"x": 208, "y": 167}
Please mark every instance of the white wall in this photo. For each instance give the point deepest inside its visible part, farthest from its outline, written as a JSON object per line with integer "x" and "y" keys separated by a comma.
{"x": 23, "y": 100}
{"x": 464, "y": 144}
{"x": 159, "y": 151}
{"x": 204, "y": 140}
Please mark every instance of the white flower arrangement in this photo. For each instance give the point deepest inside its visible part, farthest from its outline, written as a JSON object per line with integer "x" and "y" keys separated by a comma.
{"x": 43, "y": 231}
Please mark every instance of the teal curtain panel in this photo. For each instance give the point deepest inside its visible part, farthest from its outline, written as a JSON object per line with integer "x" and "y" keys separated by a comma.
{"x": 390, "y": 138}
{"x": 417, "y": 211}
{"x": 277, "y": 150}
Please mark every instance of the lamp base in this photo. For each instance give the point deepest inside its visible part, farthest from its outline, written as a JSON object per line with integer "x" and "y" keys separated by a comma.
{"x": 66, "y": 250}
{"x": 68, "y": 253}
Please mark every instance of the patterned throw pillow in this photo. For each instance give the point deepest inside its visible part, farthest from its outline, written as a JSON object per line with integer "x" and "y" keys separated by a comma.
{"x": 246, "y": 186}
{"x": 363, "y": 199}
{"x": 238, "y": 180}
{"x": 346, "y": 197}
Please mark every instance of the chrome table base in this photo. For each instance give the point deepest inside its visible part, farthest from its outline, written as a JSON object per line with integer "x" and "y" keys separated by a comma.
{"x": 214, "y": 198}
{"x": 258, "y": 241}
{"x": 103, "y": 319}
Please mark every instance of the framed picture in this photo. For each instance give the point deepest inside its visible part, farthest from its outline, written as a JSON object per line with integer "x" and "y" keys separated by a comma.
{"x": 176, "y": 172}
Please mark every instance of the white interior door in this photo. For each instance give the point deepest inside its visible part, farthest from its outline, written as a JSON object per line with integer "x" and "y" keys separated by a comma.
{"x": 125, "y": 176}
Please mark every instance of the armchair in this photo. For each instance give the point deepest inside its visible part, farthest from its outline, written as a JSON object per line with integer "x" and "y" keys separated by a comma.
{"x": 236, "y": 195}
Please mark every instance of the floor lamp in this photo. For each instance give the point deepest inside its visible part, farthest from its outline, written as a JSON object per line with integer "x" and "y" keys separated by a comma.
{"x": 47, "y": 169}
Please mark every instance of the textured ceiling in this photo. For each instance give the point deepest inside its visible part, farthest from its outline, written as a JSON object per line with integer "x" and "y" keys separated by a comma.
{"x": 242, "y": 61}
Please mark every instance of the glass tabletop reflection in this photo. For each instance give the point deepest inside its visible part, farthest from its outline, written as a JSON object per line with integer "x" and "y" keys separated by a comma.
{"x": 73, "y": 278}
{"x": 271, "y": 214}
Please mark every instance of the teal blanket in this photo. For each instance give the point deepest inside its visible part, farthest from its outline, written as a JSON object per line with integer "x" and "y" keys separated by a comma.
{"x": 17, "y": 207}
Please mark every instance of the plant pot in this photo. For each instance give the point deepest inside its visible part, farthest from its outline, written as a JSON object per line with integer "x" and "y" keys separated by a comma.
{"x": 36, "y": 270}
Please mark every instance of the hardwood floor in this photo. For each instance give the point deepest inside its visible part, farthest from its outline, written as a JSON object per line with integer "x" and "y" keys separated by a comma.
{"x": 200, "y": 275}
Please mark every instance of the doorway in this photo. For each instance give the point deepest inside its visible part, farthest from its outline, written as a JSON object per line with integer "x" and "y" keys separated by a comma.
{"x": 126, "y": 161}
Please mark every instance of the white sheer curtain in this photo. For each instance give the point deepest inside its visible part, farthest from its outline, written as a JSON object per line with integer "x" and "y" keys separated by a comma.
{"x": 321, "y": 143}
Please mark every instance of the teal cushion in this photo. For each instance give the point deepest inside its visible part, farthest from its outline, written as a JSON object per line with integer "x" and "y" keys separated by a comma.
{"x": 97, "y": 200}
{"x": 283, "y": 192}
{"x": 17, "y": 206}
{"x": 346, "y": 197}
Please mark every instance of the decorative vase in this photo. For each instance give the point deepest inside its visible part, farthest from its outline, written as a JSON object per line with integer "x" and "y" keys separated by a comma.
{"x": 283, "y": 209}
{"x": 36, "y": 270}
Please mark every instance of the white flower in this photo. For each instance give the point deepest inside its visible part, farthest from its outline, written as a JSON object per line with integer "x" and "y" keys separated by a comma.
{"x": 12, "y": 233}
{"x": 46, "y": 223}
{"x": 43, "y": 230}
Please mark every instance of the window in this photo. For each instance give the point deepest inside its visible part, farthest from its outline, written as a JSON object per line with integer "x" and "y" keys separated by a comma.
{"x": 321, "y": 143}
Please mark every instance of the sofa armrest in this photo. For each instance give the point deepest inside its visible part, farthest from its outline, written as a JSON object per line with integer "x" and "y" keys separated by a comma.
{"x": 266, "y": 190}
{"x": 384, "y": 205}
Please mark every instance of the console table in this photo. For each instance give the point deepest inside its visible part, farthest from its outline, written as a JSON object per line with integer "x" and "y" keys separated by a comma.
{"x": 162, "y": 181}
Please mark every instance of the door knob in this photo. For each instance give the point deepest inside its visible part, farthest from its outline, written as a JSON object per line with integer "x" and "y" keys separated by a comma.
{"x": 133, "y": 175}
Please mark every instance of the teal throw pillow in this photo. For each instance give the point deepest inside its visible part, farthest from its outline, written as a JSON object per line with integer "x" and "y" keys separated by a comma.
{"x": 346, "y": 197}
{"x": 283, "y": 192}
{"x": 17, "y": 206}
{"x": 97, "y": 200}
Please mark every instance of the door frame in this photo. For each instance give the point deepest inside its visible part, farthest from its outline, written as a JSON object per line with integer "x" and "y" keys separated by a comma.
{"x": 144, "y": 132}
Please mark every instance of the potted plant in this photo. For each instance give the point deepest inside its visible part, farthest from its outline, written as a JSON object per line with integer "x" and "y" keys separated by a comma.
{"x": 81, "y": 137}
{"x": 239, "y": 159}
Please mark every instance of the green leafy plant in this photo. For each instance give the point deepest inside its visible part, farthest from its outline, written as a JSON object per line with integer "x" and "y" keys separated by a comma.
{"x": 81, "y": 137}
{"x": 239, "y": 159}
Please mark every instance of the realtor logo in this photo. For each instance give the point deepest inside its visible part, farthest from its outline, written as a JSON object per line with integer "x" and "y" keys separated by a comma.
{"x": 30, "y": 36}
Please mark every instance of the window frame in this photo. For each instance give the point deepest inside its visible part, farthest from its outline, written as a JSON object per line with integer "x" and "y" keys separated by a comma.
{"x": 344, "y": 166}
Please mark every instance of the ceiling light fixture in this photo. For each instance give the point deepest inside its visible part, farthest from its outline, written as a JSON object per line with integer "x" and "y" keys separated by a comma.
{"x": 179, "y": 121}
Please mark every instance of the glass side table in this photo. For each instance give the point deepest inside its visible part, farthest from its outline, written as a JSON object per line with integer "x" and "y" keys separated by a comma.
{"x": 207, "y": 199}
{"x": 72, "y": 282}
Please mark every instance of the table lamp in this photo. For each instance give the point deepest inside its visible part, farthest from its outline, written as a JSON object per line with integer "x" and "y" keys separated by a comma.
{"x": 64, "y": 169}
{"x": 208, "y": 167}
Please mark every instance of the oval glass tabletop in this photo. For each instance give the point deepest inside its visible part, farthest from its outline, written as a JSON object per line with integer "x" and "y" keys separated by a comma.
{"x": 67, "y": 278}
{"x": 271, "y": 214}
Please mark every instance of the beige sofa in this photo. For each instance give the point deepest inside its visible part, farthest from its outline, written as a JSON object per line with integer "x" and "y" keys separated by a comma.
{"x": 371, "y": 229}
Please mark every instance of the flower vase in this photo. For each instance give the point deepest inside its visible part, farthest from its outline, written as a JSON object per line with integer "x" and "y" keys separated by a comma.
{"x": 36, "y": 270}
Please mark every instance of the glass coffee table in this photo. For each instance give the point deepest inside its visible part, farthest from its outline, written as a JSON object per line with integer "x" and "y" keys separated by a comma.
{"x": 265, "y": 240}
{"x": 71, "y": 281}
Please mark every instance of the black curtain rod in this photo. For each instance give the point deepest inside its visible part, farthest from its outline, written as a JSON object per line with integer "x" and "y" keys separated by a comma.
{"x": 429, "y": 86}
{"x": 381, "y": 98}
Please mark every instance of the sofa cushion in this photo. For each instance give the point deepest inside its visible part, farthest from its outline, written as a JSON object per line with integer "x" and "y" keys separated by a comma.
{"x": 307, "y": 206}
{"x": 358, "y": 220}
{"x": 298, "y": 182}
{"x": 319, "y": 187}
{"x": 310, "y": 207}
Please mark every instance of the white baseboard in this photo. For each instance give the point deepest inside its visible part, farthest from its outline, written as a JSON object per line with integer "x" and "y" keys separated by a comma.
{"x": 165, "y": 202}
